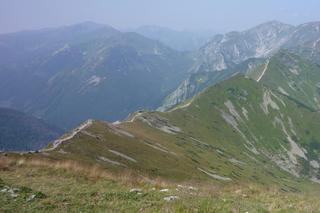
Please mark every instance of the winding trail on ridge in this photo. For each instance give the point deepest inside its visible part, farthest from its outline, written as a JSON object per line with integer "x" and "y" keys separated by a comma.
{"x": 264, "y": 70}
{"x": 59, "y": 141}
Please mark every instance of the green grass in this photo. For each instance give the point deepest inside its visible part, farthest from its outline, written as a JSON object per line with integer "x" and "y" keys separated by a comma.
{"x": 59, "y": 190}
{"x": 303, "y": 87}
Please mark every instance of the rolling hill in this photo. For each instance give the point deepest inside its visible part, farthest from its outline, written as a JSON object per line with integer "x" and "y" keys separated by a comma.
{"x": 240, "y": 145}
{"x": 292, "y": 76}
{"x": 237, "y": 131}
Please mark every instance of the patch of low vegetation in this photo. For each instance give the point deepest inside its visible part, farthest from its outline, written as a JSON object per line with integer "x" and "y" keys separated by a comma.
{"x": 43, "y": 189}
{"x": 13, "y": 197}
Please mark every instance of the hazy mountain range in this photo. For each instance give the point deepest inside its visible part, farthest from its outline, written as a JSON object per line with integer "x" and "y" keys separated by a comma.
{"x": 240, "y": 111}
{"x": 70, "y": 74}
{"x": 178, "y": 40}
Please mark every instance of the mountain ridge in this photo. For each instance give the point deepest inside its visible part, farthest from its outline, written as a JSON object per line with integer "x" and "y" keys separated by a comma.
{"x": 236, "y": 114}
{"x": 262, "y": 41}
{"x": 75, "y": 66}
{"x": 243, "y": 138}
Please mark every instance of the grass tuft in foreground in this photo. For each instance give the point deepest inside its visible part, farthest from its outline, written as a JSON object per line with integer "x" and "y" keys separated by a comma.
{"x": 43, "y": 189}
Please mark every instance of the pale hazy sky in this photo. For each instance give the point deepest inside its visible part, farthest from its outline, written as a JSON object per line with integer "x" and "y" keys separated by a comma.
{"x": 218, "y": 15}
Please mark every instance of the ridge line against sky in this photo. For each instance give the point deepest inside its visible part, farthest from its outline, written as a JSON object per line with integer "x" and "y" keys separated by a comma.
{"x": 216, "y": 15}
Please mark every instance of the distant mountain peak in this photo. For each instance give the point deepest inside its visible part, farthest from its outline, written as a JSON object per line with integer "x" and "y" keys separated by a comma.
{"x": 89, "y": 26}
{"x": 311, "y": 24}
{"x": 273, "y": 23}
{"x": 74, "y": 66}
{"x": 176, "y": 39}
{"x": 226, "y": 51}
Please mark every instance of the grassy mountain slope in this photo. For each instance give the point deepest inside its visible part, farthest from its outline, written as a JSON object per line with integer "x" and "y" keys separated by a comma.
{"x": 62, "y": 189}
{"x": 240, "y": 145}
{"x": 198, "y": 81}
{"x": 236, "y": 131}
{"x": 292, "y": 76}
